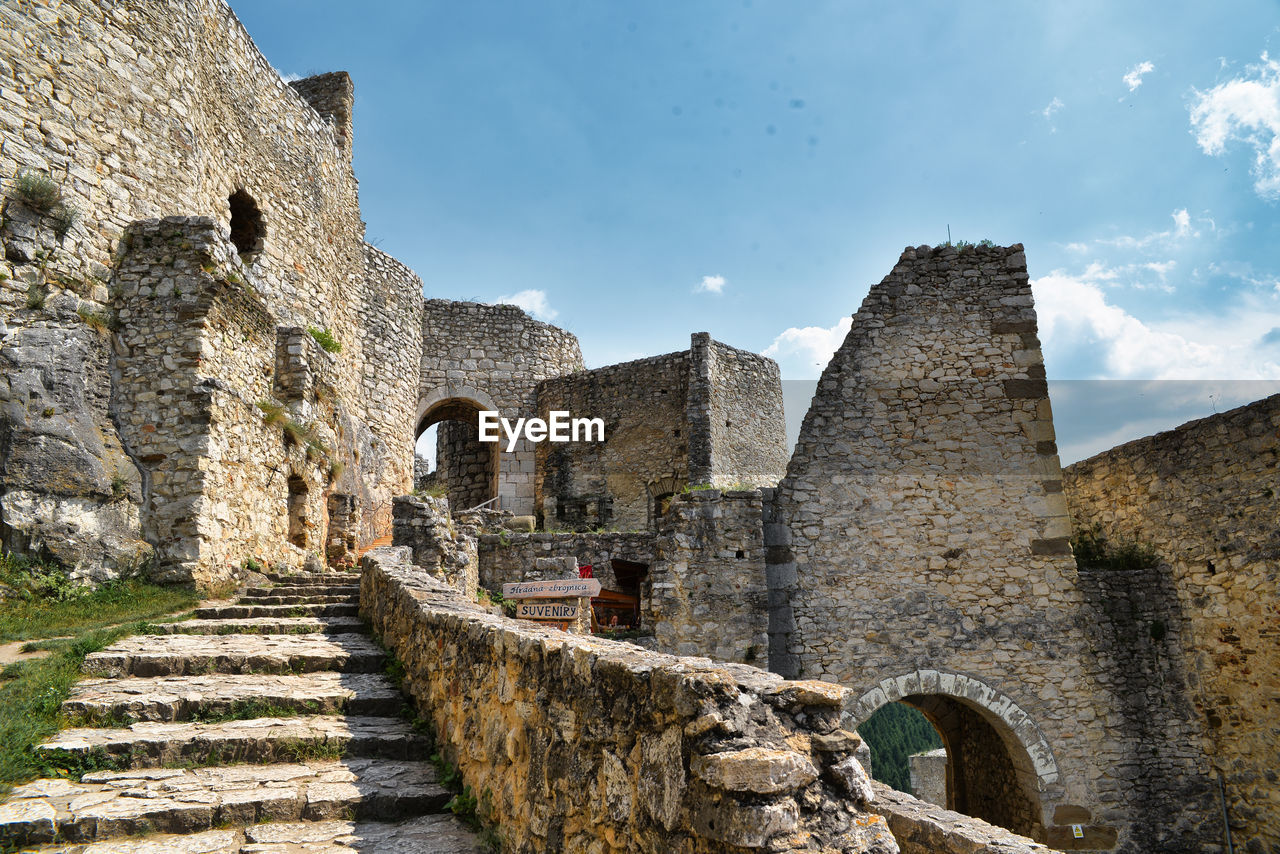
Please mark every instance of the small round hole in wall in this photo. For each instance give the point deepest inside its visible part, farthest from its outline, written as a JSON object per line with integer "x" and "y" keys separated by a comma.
{"x": 247, "y": 230}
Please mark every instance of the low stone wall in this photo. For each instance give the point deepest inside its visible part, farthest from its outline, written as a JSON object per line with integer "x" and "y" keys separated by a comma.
{"x": 579, "y": 744}
{"x": 922, "y": 828}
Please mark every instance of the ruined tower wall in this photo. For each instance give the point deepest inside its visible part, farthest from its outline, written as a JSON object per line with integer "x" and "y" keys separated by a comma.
{"x": 147, "y": 109}
{"x": 645, "y": 452}
{"x": 1203, "y": 496}
{"x": 921, "y": 538}
{"x": 707, "y": 593}
{"x": 737, "y": 395}
{"x": 492, "y": 355}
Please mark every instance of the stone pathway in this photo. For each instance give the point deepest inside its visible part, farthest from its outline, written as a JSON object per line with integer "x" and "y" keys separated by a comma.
{"x": 262, "y": 726}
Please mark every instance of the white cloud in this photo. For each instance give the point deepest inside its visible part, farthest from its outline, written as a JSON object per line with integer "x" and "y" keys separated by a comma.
{"x": 1182, "y": 229}
{"x": 1133, "y": 79}
{"x": 805, "y": 351}
{"x": 532, "y": 301}
{"x": 1075, "y": 317}
{"x": 1245, "y": 109}
{"x": 1055, "y": 106}
{"x": 710, "y": 284}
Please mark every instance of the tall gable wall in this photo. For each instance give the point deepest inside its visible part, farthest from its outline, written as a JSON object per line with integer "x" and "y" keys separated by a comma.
{"x": 920, "y": 551}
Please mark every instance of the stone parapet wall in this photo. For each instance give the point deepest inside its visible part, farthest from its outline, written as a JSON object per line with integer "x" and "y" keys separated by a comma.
{"x": 924, "y": 828}
{"x": 579, "y": 744}
{"x": 1203, "y": 497}
{"x": 707, "y": 592}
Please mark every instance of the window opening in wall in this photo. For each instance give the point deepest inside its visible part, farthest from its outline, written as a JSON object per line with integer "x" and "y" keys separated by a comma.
{"x": 246, "y": 225}
{"x": 661, "y": 504}
{"x": 298, "y": 511}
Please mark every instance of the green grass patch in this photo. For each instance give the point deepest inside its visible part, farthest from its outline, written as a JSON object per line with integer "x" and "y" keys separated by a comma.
{"x": 30, "y": 695}
{"x": 30, "y": 615}
{"x": 325, "y": 339}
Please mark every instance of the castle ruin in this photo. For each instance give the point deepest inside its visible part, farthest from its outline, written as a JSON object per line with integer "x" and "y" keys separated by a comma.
{"x": 209, "y": 367}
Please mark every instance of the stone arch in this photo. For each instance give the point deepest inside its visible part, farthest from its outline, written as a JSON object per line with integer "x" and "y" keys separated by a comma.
{"x": 963, "y": 710}
{"x": 471, "y": 468}
{"x": 664, "y": 488}
{"x": 248, "y": 225}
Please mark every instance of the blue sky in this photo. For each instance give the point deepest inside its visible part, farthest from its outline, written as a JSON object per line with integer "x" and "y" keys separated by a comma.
{"x": 636, "y": 171}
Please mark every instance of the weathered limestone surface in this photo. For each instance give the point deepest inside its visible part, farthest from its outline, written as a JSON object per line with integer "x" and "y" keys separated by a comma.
{"x": 923, "y": 828}
{"x": 709, "y": 415}
{"x": 166, "y": 655}
{"x": 918, "y": 551}
{"x": 150, "y": 745}
{"x": 1203, "y": 496}
{"x": 707, "y": 592}
{"x": 489, "y": 357}
{"x": 177, "y": 698}
{"x": 261, "y": 625}
{"x": 149, "y": 109}
{"x": 174, "y": 800}
{"x": 585, "y": 744}
{"x": 67, "y": 487}
{"x": 437, "y": 543}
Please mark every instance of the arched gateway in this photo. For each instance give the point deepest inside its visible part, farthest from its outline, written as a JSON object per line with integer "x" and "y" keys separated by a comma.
{"x": 998, "y": 761}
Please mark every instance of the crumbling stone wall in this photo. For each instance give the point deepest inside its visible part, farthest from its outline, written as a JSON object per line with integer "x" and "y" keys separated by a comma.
{"x": 708, "y": 415}
{"x": 167, "y": 108}
{"x": 588, "y": 485}
{"x": 491, "y": 357}
{"x": 1203, "y": 496}
{"x": 509, "y": 557}
{"x": 574, "y": 743}
{"x": 922, "y": 527}
{"x": 735, "y": 406}
{"x": 707, "y": 593}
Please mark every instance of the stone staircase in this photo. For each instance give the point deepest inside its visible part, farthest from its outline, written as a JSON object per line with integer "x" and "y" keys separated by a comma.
{"x": 261, "y": 726}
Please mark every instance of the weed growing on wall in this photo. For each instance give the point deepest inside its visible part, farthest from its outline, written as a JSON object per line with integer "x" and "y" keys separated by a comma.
{"x": 1094, "y": 551}
{"x": 325, "y": 339}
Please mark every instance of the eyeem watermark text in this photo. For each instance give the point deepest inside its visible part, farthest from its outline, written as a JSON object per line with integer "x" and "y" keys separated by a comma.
{"x": 559, "y": 428}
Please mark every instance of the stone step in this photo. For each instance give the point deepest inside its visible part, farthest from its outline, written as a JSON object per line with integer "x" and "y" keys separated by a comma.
{"x": 304, "y": 590}
{"x": 229, "y": 610}
{"x": 262, "y": 626}
{"x": 182, "y": 698}
{"x": 111, "y": 804}
{"x": 153, "y": 745}
{"x": 179, "y": 654}
{"x": 428, "y": 834}
{"x": 314, "y": 578}
{"x": 298, "y": 600}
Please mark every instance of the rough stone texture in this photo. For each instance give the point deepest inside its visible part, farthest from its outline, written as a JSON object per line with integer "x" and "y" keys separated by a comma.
{"x": 431, "y": 834}
{"x": 929, "y": 776}
{"x": 586, "y": 744}
{"x": 108, "y": 804}
{"x": 920, "y": 540}
{"x": 67, "y": 488}
{"x": 165, "y": 108}
{"x": 709, "y": 415}
{"x": 1200, "y": 629}
{"x": 178, "y": 698}
{"x": 509, "y": 557}
{"x": 922, "y": 828}
{"x": 437, "y": 544}
{"x": 260, "y": 625}
{"x": 150, "y": 745}
{"x": 707, "y": 591}
{"x": 165, "y": 655}
{"x": 490, "y": 357}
